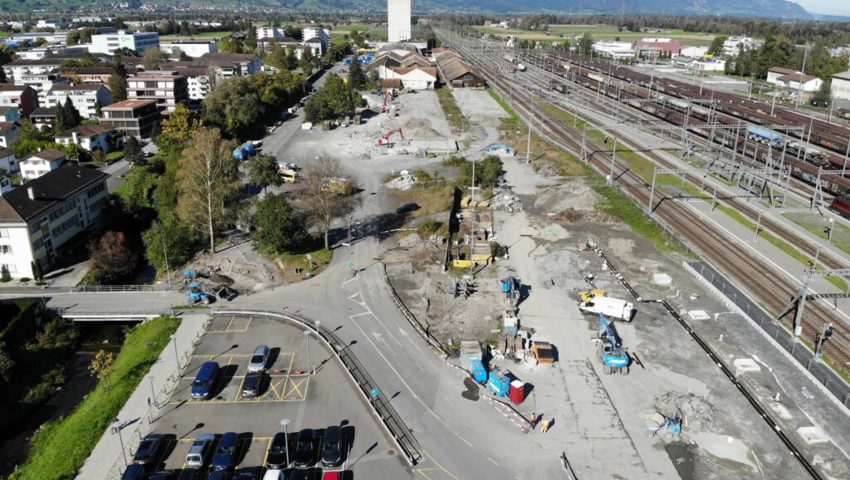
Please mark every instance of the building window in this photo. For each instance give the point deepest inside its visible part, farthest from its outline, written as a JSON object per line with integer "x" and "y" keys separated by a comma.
{"x": 9, "y": 267}
{"x": 6, "y": 249}
{"x": 4, "y": 233}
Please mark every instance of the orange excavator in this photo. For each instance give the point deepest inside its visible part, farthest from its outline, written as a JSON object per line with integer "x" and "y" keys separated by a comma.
{"x": 384, "y": 139}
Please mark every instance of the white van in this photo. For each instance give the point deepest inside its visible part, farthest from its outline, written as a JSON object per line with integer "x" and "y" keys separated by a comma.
{"x": 610, "y": 307}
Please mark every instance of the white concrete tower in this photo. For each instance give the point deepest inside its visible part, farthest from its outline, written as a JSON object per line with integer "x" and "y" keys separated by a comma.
{"x": 398, "y": 20}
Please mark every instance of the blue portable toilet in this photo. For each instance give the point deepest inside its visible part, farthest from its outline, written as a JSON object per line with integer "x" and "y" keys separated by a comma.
{"x": 499, "y": 383}
{"x": 478, "y": 371}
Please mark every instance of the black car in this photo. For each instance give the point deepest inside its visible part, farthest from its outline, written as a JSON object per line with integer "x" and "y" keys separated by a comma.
{"x": 254, "y": 384}
{"x": 332, "y": 447}
{"x": 407, "y": 208}
{"x": 134, "y": 471}
{"x": 305, "y": 449}
{"x": 191, "y": 474}
{"x": 162, "y": 475}
{"x": 249, "y": 473}
{"x": 150, "y": 450}
{"x": 276, "y": 458}
{"x": 220, "y": 475}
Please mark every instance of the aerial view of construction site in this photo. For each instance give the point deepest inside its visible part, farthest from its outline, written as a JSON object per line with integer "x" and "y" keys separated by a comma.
{"x": 303, "y": 246}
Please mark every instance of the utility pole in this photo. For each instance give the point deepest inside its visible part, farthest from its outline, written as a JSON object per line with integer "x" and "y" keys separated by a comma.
{"x": 802, "y": 74}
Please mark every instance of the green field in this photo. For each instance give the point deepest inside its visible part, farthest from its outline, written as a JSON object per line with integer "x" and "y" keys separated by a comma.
{"x": 600, "y": 32}
{"x": 60, "y": 447}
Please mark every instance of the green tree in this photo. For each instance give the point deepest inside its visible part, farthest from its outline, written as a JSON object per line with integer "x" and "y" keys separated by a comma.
{"x": 169, "y": 239}
{"x": 7, "y": 54}
{"x": 30, "y": 140}
{"x": 209, "y": 182}
{"x": 823, "y": 97}
{"x": 154, "y": 58}
{"x": 67, "y": 116}
{"x": 716, "y": 47}
{"x": 233, "y": 105}
{"x": 279, "y": 227}
{"x": 133, "y": 151}
{"x": 356, "y": 77}
{"x": 178, "y": 129}
{"x": 118, "y": 79}
{"x": 7, "y": 365}
{"x": 262, "y": 171}
{"x": 40, "y": 42}
{"x": 98, "y": 108}
{"x": 334, "y": 100}
{"x": 585, "y": 44}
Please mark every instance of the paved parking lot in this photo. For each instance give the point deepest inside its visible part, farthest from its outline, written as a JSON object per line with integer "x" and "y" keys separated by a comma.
{"x": 308, "y": 401}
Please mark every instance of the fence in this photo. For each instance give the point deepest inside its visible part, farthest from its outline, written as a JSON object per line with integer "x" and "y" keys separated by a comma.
{"x": 120, "y": 288}
{"x": 742, "y": 302}
{"x": 398, "y": 430}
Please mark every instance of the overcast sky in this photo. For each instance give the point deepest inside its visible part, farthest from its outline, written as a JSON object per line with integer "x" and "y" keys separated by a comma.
{"x": 832, "y": 7}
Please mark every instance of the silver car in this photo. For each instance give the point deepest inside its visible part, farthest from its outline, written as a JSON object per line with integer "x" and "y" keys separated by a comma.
{"x": 200, "y": 451}
{"x": 259, "y": 359}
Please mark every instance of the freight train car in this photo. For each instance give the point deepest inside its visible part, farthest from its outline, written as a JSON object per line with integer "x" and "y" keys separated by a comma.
{"x": 765, "y": 136}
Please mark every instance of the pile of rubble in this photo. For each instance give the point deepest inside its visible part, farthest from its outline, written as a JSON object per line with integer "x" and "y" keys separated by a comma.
{"x": 506, "y": 201}
{"x": 404, "y": 181}
{"x": 695, "y": 410}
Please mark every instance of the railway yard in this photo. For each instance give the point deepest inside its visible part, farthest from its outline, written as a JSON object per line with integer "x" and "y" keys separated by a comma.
{"x": 713, "y": 170}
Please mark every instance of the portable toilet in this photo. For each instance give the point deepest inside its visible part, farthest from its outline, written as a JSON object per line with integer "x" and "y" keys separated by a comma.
{"x": 517, "y": 392}
{"x": 478, "y": 371}
{"x": 499, "y": 383}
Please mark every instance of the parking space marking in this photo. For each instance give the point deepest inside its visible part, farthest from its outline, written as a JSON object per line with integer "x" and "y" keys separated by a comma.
{"x": 294, "y": 393}
{"x": 439, "y": 468}
{"x": 231, "y": 328}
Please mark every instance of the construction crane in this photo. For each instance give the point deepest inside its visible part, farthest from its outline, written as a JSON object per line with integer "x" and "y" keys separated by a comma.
{"x": 614, "y": 358}
{"x": 384, "y": 139}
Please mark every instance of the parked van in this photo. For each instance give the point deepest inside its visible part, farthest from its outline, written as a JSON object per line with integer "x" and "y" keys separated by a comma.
{"x": 610, "y": 307}
{"x": 205, "y": 380}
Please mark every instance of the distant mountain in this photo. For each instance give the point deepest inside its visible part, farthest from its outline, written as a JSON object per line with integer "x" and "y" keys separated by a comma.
{"x": 755, "y": 8}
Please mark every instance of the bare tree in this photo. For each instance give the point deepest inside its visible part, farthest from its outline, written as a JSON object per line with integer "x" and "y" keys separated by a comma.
{"x": 209, "y": 182}
{"x": 327, "y": 194}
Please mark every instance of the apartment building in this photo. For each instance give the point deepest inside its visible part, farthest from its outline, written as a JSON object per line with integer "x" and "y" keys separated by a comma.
{"x": 37, "y": 219}
{"x": 41, "y": 163}
{"x": 166, "y": 87}
{"x": 84, "y": 97}
{"x": 139, "y": 118}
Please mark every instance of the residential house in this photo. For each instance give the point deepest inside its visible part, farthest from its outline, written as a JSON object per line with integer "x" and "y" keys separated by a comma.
{"x": 84, "y": 97}
{"x": 412, "y": 78}
{"x": 39, "y": 218}
{"x": 135, "y": 41}
{"x": 231, "y": 64}
{"x": 37, "y": 53}
{"x": 775, "y": 72}
{"x": 91, "y": 138}
{"x": 166, "y": 87}
{"x": 139, "y": 118}
{"x": 10, "y": 114}
{"x": 40, "y": 163}
{"x": 22, "y": 97}
{"x": 732, "y": 45}
{"x": 270, "y": 32}
{"x": 17, "y": 69}
{"x": 199, "y": 81}
{"x": 8, "y": 133}
{"x": 8, "y": 162}
{"x": 42, "y": 82}
{"x": 53, "y": 23}
{"x": 5, "y": 185}
{"x": 796, "y": 82}
{"x": 694, "y": 52}
{"x": 90, "y": 75}
{"x": 44, "y": 118}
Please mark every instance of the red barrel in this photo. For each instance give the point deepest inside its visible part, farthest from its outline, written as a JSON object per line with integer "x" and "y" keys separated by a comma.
{"x": 517, "y": 392}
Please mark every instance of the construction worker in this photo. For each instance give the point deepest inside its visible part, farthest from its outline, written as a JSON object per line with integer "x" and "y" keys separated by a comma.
{"x": 533, "y": 420}
{"x": 544, "y": 426}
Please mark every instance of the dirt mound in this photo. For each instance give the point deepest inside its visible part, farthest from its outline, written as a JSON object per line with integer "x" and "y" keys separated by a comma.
{"x": 571, "y": 196}
{"x": 420, "y": 129}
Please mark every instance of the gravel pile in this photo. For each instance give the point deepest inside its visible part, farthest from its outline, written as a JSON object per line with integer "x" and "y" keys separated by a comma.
{"x": 507, "y": 201}
{"x": 404, "y": 181}
{"x": 696, "y": 411}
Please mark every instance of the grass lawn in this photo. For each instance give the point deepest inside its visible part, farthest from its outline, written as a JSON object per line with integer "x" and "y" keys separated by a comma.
{"x": 314, "y": 264}
{"x": 452, "y": 111}
{"x": 116, "y": 155}
{"x": 61, "y": 446}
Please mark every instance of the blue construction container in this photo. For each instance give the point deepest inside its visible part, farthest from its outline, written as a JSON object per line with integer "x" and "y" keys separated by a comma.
{"x": 765, "y": 135}
{"x": 478, "y": 371}
{"x": 499, "y": 383}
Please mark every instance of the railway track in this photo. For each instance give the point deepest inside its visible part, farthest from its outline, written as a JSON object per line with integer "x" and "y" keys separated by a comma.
{"x": 752, "y": 273}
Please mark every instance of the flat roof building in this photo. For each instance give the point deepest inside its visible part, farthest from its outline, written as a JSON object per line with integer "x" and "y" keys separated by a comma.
{"x": 139, "y": 118}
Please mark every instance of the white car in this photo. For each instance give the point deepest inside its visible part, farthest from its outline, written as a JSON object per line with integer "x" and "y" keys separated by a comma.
{"x": 260, "y": 359}
{"x": 274, "y": 474}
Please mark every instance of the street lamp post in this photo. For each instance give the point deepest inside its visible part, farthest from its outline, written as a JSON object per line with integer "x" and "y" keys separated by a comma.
{"x": 176, "y": 355}
{"x": 284, "y": 422}
{"x": 309, "y": 363}
{"x": 116, "y": 424}
{"x": 153, "y": 392}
